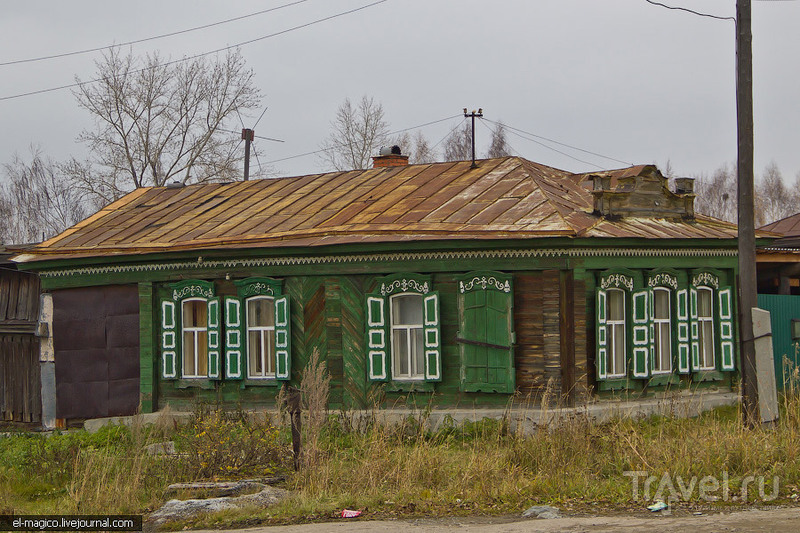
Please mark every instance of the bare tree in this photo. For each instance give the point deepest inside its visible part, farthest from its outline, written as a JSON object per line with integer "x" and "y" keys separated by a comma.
{"x": 499, "y": 146}
{"x": 37, "y": 201}
{"x": 458, "y": 145}
{"x": 773, "y": 199}
{"x": 416, "y": 147}
{"x": 358, "y": 133}
{"x": 716, "y": 195}
{"x": 158, "y": 121}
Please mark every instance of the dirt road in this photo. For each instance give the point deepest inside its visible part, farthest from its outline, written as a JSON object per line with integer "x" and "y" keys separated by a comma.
{"x": 751, "y": 521}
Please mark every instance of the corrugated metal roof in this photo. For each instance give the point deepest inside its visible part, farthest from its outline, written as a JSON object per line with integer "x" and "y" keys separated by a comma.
{"x": 504, "y": 198}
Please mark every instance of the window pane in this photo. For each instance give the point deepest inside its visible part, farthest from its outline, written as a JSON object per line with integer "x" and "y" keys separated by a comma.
{"x": 255, "y": 353}
{"x": 707, "y": 344}
{"x": 188, "y": 354}
{"x": 400, "y": 358}
{"x": 418, "y": 352}
{"x": 407, "y": 309}
{"x": 704, "y": 303}
{"x": 260, "y": 312}
{"x": 616, "y": 305}
{"x": 618, "y": 366}
{"x": 195, "y": 313}
{"x": 664, "y": 348}
{"x": 661, "y": 306}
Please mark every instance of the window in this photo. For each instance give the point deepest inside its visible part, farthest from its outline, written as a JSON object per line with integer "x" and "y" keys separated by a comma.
{"x": 705, "y": 319}
{"x": 258, "y": 332}
{"x": 403, "y": 341}
{"x": 190, "y": 331}
{"x": 677, "y": 323}
{"x": 616, "y": 333}
{"x": 261, "y": 337}
{"x": 486, "y": 335}
{"x": 195, "y": 337}
{"x": 408, "y": 351}
{"x": 662, "y": 333}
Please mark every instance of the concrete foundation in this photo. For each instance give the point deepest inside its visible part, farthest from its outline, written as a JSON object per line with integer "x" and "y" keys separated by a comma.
{"x": 524, "y": 419}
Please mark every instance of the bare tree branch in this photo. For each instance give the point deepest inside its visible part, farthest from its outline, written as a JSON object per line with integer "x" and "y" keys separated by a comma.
{"x": 158, "y": 121}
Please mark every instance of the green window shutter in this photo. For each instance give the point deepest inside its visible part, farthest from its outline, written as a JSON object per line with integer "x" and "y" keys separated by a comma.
{"x": 170, "y": 340}
{"x": 433, "y": 343}
{"x": 694, "y": 327}
{"x": 602, "y": 337}
{"x": 486, "y": 335}
{"x": 682, "y": 297}
{"x": 214, "y": 332}
{"x": 234, "y": 347}
{"x": 726, "y": 327}
{"x": 641, "y": 329}
{"x": 377, "y": 338}
{"x": 283, "y": 339}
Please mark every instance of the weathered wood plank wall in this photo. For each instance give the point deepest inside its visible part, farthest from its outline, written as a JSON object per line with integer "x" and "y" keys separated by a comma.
{"x": 20, "y": 387}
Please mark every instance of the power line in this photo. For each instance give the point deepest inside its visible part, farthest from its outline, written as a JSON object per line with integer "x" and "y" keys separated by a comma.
{"x": 513, "y": 130}
{"x": 690, "y": 11}
{"x": 388, "y": 134}
{"x": 189, "y": 58}
{"x": 137, "y": 41}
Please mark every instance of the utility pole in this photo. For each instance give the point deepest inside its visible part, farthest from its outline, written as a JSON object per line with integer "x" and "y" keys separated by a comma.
{"x": 248, "y": 135}
{"x": 747, "y": 239}
{"x": 479, "y": 114}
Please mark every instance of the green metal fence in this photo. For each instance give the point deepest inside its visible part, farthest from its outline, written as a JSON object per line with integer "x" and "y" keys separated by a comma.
{"x": 782, "y": 309}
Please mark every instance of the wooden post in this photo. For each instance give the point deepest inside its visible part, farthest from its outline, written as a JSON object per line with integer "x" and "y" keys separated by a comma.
{"x": 747, "y": 247}
{"x": 295, "y": 408}
{"x": 248, "y": 135}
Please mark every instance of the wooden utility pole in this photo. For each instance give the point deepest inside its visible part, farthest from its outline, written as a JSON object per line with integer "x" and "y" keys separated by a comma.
{"x": 248, "y": 135}
{"x": 473, "y": 115}
{"x": 747, "y": 239}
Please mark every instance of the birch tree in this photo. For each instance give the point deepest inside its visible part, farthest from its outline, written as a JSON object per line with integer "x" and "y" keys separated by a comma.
{"x": 37, "y": 201}
{"x": 357, "y": 133}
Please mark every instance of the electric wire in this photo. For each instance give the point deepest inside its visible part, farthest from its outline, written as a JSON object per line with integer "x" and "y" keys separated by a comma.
{"x": 344, "y": 144}
{"x": 511, "y": 148}
{"x": 519, "y": 131}
{"x": 676, "y": 8}
{"x": 196, "y": 56}
{"x": 137, "y": 41}
{"x": 513, "y": 132}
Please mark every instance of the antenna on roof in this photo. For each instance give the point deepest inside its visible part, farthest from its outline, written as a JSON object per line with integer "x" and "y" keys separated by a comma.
{"x": 479, "y": 114}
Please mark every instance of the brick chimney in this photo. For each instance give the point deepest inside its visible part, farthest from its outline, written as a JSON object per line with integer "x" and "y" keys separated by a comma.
{"x": 389, "y": 156}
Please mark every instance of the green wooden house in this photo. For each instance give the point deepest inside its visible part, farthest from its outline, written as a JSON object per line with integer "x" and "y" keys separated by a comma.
{"x": 446, "y": 284}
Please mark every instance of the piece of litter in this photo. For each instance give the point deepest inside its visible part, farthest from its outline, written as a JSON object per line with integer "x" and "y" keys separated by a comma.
{"x": 658, "y": 506}
{"x": 347, "y": 513}
{"x": 697, "y": 513}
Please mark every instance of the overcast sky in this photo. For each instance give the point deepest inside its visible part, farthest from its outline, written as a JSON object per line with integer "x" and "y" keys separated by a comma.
{"x": 621, "y": 78}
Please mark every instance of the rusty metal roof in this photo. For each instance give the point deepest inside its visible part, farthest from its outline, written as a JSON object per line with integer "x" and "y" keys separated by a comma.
{"x": 503, "y": 198}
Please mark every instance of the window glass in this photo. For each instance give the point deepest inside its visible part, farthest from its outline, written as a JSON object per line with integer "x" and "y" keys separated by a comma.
{"x": 195, "y": 338}
{"x": 705, "y": 320}
{"x": 616, "y": 304}
{"x": 616, "y": 332}
{"x": 408, "y": 354}
{"x": 662, "y": 330}
{"x": 261, "y": 337}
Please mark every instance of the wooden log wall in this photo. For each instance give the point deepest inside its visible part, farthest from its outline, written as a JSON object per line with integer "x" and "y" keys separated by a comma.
{"x": 328, "y": 314}
{"x": 538, "y": 328}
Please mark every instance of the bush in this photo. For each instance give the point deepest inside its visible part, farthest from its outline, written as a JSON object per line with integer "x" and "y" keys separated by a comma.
{"x": 221, "y": 444}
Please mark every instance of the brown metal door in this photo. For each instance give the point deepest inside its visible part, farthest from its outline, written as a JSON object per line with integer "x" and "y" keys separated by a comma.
{"x": 96, "y": 342}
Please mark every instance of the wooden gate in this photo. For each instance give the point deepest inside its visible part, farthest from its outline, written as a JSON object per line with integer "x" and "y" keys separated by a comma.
{"x": 20, "y": 386}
